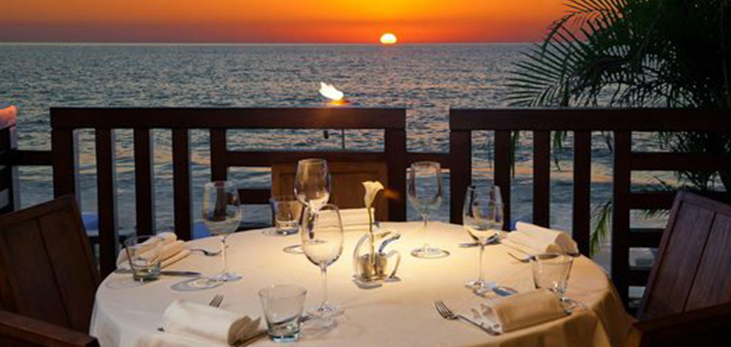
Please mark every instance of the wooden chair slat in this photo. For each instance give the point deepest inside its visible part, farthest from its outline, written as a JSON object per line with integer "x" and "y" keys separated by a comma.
{"x": 144, "y": 181}
{"x": 460, "y": 173}
{"x": 712, "y": 283}
{"x": 20, "y": 331}
{"x": 542, "y": 178}
{"x": 64, "y": 143}
{"x": 219, "y": 169}
{"x": 46, "y": 264}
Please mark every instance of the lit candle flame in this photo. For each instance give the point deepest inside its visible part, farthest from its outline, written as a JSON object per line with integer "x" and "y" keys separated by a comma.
{"x": 329, "y": 91}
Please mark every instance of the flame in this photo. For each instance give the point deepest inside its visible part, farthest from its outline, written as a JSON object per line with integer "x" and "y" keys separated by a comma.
{"x": 329, "y": 91}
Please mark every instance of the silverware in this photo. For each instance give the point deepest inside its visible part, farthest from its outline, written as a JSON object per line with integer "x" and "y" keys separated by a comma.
{"x": 446, "y": 313}
{"x": 215, "y": 302}
{"x": 206, "y": 252}
{"x": 528, "y": 258}
{"x": 165, "y": 273}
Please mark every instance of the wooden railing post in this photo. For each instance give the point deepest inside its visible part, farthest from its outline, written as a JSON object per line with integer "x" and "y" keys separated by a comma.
{"x": 107, "y": 200}
{"x": 460, "y": 171}
{"x": 144, "y": 181}
{"x": 395, "y": 148}
{"x": 65, "y": 162}
{"x": 620, "y": 213}
{"x": 581, "y": 217}
{"x": 503, "y": 171}
{"x": 219, "y": 169}
{"x": 9, "y": 199}
{"x": 542, "y": 178}
{"x": 181, "y": 183}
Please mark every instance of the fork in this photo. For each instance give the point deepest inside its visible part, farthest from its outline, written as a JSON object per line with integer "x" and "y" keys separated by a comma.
{"x": 215, "y": 302}
{"x": 446, "y": 313}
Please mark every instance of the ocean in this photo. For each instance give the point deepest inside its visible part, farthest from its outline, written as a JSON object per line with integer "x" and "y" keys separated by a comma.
{"x": 427, "y": 80}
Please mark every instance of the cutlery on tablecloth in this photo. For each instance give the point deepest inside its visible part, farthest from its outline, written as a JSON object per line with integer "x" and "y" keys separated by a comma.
{"x": 165, "y": 273}
{"x": 447, "y": 314}
{"x": 206, "y": 252}
{"x": 528, "y": 258}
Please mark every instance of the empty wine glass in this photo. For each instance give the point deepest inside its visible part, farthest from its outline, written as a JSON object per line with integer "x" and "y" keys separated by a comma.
{"x": 221, "y": 216}
{"x": 425, "y": 194}
{"x": 312, "y": 189}
{"x": 312, "y": 183}
{"x": 322, "y": 241}
{"x": 483, "y": 219}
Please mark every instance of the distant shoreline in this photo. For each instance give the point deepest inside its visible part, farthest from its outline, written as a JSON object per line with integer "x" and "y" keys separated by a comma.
{"x": 19, "y": 43}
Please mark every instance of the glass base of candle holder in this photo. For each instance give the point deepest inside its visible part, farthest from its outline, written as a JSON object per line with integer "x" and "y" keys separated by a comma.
{"x": 429, "y": 253}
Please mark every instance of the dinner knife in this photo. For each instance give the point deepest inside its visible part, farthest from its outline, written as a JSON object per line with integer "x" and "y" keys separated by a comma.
{"x": 165, "y": 273}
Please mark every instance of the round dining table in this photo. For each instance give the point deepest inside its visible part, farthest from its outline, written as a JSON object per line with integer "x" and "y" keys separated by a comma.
{"x": 398, "y": 313}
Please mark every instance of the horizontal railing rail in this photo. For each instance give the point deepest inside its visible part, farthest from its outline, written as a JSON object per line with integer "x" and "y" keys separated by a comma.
{"x": 582, "y": 122}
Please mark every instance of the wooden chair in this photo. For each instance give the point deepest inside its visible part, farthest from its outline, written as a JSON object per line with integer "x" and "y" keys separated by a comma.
{"x": 689, "y": 292}
{"x": 46, "y": 265}
{"x": 21, "y": 331}
{"x": 347, "y": 187}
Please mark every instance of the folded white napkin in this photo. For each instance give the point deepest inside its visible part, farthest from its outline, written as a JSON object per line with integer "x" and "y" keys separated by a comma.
{"x": 541, "y": 239}
{"x": 354, "y": 219}
{"x": 171, "y": 250}
{"x": 519, "y": 311}
{"x": 208, "y": 323}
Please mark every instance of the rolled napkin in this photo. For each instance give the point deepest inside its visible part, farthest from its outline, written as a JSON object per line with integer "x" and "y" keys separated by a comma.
{"x": 208, "y": 323}
{"x": 171, "y": 250}
{"x": 541, "y": 239}
{"x": 520, "y": 310}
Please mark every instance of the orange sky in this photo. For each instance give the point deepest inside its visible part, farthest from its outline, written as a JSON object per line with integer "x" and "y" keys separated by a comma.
{"x": 356, "y": 21}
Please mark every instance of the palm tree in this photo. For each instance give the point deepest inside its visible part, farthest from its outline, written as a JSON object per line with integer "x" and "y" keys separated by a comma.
{"x": 635, "y": 53}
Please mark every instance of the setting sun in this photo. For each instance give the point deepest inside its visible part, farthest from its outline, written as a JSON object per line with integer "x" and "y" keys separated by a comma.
{"x": 388, "y": 39}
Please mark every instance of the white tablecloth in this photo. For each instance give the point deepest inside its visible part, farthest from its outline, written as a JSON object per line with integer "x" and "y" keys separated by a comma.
{"x": 397, "y": 314}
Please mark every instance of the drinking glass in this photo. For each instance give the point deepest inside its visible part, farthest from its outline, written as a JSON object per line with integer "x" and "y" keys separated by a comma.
{"x": 143, "y": 254}
{"x": 425, "y": 195}
{"x": 322, "y": 241}
{"x": 282, "y": 305}
{"x": 312, "y": 183}
{"x": 483, "y": 219}
{"x": 221, "y": 216}
{"x": 551, "y": 271}
{"x": 312, "y": 189}
{"x": 286, "y": 211}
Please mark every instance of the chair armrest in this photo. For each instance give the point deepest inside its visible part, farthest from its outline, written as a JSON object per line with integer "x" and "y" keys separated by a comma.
{"x": 14, "y": 327}
{"x": 712, "y": 324}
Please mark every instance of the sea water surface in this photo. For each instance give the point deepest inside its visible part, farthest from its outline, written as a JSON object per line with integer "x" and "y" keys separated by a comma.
{"x": 427, "y": 80}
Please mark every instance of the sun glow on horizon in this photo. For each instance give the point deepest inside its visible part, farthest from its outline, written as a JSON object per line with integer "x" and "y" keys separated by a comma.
{"x": 389, "y": 39}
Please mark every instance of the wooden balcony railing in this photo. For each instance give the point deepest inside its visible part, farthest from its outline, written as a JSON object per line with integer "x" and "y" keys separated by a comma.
{"x": 582, "y": 122}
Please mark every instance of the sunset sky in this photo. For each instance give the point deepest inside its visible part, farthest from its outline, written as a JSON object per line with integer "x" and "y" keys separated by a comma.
{"x": 276, "y": 21}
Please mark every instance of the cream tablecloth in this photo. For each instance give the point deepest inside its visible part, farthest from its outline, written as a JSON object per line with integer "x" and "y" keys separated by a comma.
{"x": 397, "y": 314}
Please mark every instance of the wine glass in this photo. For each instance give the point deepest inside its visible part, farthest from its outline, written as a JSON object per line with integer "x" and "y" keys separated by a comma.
{"x": 425, "y": 195}
{"x": 483, "y": 219}
{"x": 221, "y": 216}
{"x": 312, "y": 183}
{"x": 312, "y": 189}
{"x": 322, "y": 241}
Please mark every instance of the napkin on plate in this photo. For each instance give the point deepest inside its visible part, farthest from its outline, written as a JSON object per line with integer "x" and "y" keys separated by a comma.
{"x": 207, "y": 323}
{"x": 171, "y": 250}
{"x": 542, "y": 239}
{"x": 519, "y": 311}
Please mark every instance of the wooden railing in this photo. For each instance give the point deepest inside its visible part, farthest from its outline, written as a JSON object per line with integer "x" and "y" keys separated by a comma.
{"x": 65, "y": 121}
{"x": 582, "y": 122}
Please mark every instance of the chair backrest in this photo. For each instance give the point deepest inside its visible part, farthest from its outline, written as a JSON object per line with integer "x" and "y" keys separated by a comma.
{"x": 21, "y": 331}
{"x": 347, "y": 187}
{"x": 46, "y": 266}
{"x": 693, "y": 267}
{"x": 706, "y": 327}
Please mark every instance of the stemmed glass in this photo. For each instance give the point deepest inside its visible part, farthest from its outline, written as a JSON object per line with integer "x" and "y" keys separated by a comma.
{"x": 483, "y": 219}
{"x": 322, "y": 241}
{"x": 425, "y": 194}
{"x": 221, "y": 216}
{"x": 312, "y": 189}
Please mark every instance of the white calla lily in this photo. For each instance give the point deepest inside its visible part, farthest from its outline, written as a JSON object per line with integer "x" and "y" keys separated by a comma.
{"x": 371, "y": 191}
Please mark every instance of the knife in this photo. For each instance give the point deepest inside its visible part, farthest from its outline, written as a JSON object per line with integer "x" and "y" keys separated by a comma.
{"x": 165, "y": 273}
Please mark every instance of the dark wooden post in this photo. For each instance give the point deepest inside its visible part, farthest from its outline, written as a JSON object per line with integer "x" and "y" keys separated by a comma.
{"x": 460, "y": 171}
{"x": 542, "y": 178}
{"x": 9, "y": 199}
{"x": 181, "y": 184}
{"x": 582, "y": 191}
{"x": 395, "y": 148}
{"x": 620, "y": 213}
{"x": 144, "y": 181}
{"x": 107, "y": 200}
